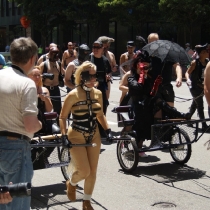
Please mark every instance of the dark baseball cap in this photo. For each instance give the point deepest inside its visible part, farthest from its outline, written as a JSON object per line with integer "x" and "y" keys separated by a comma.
{"x": 199, "y": 48}
{"x": 98, "y": 42}
{"x": 130, "y": 44}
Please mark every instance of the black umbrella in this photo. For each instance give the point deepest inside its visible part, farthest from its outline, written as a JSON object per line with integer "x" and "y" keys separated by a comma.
{"x": 168, "y": 51}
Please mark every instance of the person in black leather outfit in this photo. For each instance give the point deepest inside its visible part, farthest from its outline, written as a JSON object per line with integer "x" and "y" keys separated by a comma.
{"x": 145, "y": 101}
{"x": 195, "y": 79}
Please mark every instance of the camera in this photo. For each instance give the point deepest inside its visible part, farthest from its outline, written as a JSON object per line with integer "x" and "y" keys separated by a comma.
{"x": 47, "y": 76}
{"x": 18, "y": 190}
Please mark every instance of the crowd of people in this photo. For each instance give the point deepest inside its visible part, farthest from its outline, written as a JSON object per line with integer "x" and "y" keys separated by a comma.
{"x": 32, "y": 88}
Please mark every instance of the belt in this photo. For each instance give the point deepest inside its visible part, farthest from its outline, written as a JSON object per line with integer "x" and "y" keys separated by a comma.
{"x": 16, "y": 135}
{"x": 51, "y": 87}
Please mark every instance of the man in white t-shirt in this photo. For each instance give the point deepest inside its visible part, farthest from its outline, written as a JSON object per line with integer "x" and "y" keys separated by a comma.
{"x": 18, "y": 108}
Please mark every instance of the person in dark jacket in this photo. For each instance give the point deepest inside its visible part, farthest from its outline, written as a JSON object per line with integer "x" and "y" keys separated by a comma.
{"x": 145, "y": 101}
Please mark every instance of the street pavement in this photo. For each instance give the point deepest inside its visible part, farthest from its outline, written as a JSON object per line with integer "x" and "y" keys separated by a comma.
{"x": 157, "y": 183}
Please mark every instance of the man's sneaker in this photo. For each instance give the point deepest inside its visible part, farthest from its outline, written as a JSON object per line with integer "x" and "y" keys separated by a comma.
{"x": 143, "y": 155}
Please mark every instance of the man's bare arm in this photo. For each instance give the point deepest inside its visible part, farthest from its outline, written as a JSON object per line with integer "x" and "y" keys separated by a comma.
{"x": 67, "y": 79}
{"x": 40, "y": 60}
{"x": 124, "y": 82}
{"x": 63, "y": 60}
{"x": 178, "y": 70}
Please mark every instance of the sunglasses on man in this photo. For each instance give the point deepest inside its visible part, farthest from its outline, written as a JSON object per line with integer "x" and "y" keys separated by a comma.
{"x": 96, "y": 47}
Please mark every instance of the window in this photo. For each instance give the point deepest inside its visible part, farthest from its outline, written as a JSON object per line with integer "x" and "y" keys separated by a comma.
{"x": 2, "y": 8}
{"x": 13, "y": 8}
{"x": 7, "y": 8}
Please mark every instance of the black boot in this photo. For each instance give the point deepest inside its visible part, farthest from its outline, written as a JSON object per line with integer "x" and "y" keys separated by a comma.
{"x": 172, "y": 112}
{"x": 205, "y": 127}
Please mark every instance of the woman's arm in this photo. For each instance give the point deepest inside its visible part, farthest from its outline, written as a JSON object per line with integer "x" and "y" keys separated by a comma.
{"x": 67, "y": 79}
{"x": 45, "y": 96}
{"x": 66, "y": 109}
{"x": 124, "y": 82}
{"x": 190, "y": 70}
{"x": 100, "y": 116}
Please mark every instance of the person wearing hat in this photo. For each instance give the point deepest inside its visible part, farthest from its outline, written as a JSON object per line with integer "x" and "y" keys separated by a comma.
{"x": 44, "y": 57}
{"x": 127, "y": 56}
{"x": 106, "y": 41}
{"x": 103, "y": 74}
{"x": 2, "y": 61}
{"x": 195, "y": 81}
{"x": 83, "y": 55}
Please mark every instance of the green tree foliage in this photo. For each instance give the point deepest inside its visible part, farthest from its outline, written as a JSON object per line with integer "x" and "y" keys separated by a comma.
{"x": 186, "y": 13}
{"x": 132, "y": 12}
{"x": 47, "y": 14}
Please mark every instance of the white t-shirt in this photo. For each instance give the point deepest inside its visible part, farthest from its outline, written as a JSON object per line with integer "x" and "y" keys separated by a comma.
{"x": 18, "y": 98}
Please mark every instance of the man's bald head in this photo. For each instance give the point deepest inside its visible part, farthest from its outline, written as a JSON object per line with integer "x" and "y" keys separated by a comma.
{"x": 52, "y": 45}
{"x": 153, "y": 37}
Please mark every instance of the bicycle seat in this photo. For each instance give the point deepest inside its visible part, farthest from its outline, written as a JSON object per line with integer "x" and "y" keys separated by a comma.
{"x": 50, "y": 115}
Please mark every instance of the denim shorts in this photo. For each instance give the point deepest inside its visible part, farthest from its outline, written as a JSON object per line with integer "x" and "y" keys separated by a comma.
{"x": 16, "y": 167}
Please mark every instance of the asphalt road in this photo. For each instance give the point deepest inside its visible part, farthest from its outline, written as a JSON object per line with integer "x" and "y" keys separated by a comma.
{"x": 156, "y": 183}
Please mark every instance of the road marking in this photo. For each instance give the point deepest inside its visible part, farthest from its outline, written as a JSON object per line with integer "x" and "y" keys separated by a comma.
{"x": 112, "y": 123}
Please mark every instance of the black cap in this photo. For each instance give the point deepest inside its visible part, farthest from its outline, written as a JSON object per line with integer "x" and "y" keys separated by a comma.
{"x": 84, "y": 47}
{"x": 199, "y": 48}
{"x": 98, "y": 42}
{"x": 130, "y": 44}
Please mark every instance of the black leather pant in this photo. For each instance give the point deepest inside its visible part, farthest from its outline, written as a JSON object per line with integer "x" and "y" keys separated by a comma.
{"x": 197, "y": 102}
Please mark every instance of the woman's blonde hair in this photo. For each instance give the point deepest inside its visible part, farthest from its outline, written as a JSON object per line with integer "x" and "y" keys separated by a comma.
{"x": 86, "y": 66}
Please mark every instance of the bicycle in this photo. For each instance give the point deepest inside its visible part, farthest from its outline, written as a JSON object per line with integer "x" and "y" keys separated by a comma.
{"x": 170, "y": 134}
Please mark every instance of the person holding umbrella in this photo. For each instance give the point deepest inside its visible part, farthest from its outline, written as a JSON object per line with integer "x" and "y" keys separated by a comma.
{"x": 166, "y": 56}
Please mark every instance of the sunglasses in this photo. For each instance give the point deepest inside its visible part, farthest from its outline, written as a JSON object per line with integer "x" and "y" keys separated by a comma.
{"x": 144, "y": 67}
{"x": 70, "y": 45}
{"x": 36, "y": 75}
{"x": 96, "y": 47}
{"x": 92, "y": 76}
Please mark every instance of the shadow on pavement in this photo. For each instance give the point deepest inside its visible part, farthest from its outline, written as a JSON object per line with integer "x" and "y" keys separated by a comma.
{"x": 149, "y": 159}
{"x": 169, "y": 172}
{"x": 54, "y": 196}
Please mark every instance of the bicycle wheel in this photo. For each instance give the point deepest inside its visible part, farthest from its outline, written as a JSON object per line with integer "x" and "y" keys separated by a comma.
{"x": 181, "y": 153}
{"x": 127, "y": 155}
{"x": 65, "y": 157}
